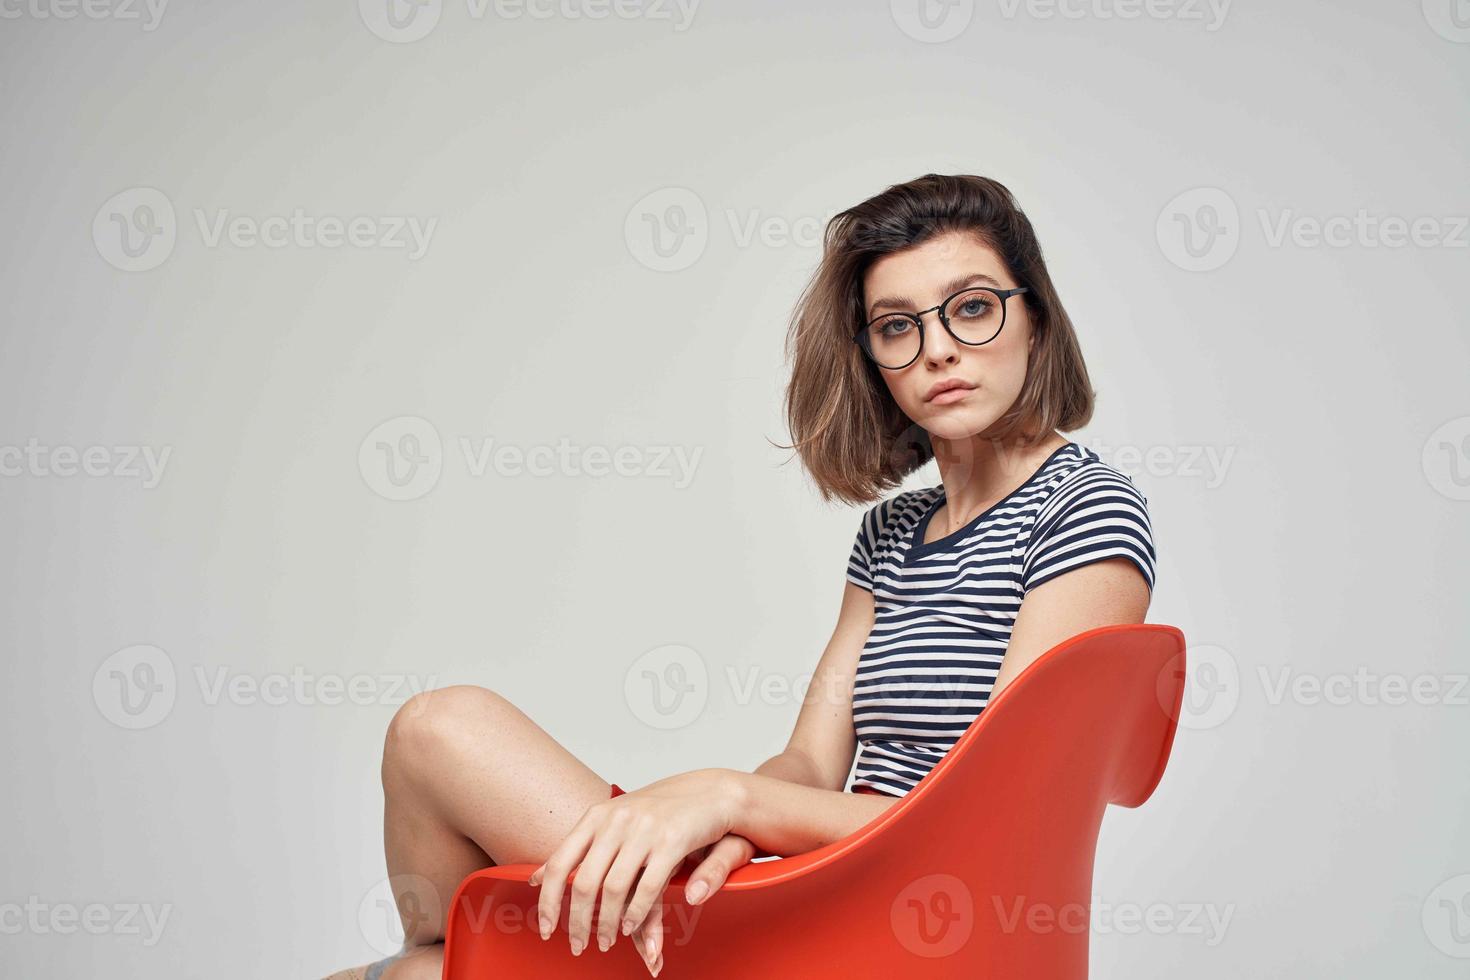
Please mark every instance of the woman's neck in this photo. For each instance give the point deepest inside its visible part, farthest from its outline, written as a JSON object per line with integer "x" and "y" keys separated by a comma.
{"x": 981, "y": 470}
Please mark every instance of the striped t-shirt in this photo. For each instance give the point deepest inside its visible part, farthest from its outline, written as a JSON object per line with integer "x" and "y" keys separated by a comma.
{"x": 943, "y": 611}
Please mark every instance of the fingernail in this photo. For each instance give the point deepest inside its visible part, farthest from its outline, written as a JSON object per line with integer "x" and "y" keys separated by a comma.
{"x": 602, "y": 944}
{"x": 576, "y": 947}
{"x": 648, "y": 945}
{"x": 697, "y": 891}
{"x": 627, "y": 927}
{"x": 545, "y": 929}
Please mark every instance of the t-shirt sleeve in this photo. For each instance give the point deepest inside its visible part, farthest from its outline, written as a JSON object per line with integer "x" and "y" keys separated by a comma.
{"x": 1097, "y": 516}
{"x": 860, "y": 559}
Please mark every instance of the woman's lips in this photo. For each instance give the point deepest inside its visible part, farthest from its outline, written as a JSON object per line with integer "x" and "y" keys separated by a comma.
{"x": 952, "y": 395}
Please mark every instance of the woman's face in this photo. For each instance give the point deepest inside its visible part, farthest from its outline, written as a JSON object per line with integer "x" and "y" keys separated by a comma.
{"x": 924, "y": 276}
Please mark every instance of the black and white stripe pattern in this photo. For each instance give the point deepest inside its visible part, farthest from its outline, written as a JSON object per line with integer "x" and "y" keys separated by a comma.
{"x": 944, "y": 610}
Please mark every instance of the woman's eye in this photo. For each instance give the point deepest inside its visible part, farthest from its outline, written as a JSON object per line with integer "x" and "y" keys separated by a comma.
{"x": 895, "y": 326}
{"x": 974, "y": 307}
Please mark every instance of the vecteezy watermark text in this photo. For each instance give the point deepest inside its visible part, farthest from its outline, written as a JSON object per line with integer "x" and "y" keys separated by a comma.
{"x": 1204, "y": 919}
{"x": 1365, "y": 687}
{"x": 304, "y": 230}
{"x": 1210, "y": 13}
{"x": 40, "y": 918}
{"x": 120, "y": 462}
{"x": 149, "y": 12}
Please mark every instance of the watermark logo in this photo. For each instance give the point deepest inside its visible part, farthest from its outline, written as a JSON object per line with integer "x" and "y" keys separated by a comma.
{"x": 136, "y": 687}
{"x": 1446, "y": 917}
{"x": 933, "y": 916}
{"x": 400, "y": 21}
{"x": 932, "y": 21}
{"x": 402, "y": 458}
{"x": 1450, "y": 19}
{"x": 135, "y": 230}
{"x": 1211, "y": 686}
{"x": 667, "y": 230}
{"x": 1199, "y": 230}
{"x": 667, "y": 687}
{"x": 396, "y": 908}
{"x": 1446, "y": 459}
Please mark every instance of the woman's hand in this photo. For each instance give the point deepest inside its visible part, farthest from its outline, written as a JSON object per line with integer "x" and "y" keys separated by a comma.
{"x": 651, "y": 829}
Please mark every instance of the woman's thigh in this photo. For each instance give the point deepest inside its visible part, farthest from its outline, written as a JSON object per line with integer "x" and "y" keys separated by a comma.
{"x": 487, "y": 769}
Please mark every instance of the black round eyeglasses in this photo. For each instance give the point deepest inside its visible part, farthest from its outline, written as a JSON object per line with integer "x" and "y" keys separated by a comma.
{"x": 973, "y": 316}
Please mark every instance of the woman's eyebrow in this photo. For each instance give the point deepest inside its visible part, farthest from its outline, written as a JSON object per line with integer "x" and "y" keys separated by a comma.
{"x": 900, "y": 302}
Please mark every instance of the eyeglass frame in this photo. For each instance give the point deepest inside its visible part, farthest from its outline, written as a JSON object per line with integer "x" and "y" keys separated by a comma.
{"x": 918, "y": 318}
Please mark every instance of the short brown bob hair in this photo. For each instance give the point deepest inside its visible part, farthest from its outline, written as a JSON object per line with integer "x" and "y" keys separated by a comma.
{"x": 851, "y": 435}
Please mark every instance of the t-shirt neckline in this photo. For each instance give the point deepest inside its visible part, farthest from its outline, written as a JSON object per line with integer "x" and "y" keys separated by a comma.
{"x": 916, "y": 545}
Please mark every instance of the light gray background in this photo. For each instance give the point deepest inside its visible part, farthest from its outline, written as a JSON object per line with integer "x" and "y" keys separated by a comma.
{"x": 1328, "y": 379}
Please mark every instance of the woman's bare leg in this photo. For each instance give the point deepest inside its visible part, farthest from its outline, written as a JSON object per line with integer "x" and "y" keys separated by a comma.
{"x": 469, "y": 780}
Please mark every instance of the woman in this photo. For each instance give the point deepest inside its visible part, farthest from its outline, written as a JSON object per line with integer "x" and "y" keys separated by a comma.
{"x": 931, "y": 330}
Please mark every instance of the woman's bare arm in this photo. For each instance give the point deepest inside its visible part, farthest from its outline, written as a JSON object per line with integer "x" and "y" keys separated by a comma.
{"x": 823, "y": 739}
{"x": 1104, "y": 593}
{"x": 791, "y": 765}
{"x": 787, "y": 818}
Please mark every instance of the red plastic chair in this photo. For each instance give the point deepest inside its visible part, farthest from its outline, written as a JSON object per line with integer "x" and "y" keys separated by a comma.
{"x": 983, "y": 870}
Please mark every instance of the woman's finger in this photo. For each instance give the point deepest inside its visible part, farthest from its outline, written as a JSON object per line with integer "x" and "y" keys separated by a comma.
{"x": 653, "y": 939}
{"x": 639, "y": 940}
{"x": 586, "y": 884}
{"x": 650, "y": 891}
{"x": 551, "y": 877}
{"x": 643, "y": 938}
{"x": 727, "y": 854}
{"x": 615, "y": 888}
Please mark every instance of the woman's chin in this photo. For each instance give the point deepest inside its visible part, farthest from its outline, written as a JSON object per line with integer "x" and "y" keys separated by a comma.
{"x": 956, "y": 422}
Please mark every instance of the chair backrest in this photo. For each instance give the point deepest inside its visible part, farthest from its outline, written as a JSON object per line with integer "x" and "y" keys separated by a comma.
{"x": 1007, "y": 822}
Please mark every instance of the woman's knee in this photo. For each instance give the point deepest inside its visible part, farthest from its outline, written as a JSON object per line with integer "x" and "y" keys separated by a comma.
{"x": 436, "y": 724}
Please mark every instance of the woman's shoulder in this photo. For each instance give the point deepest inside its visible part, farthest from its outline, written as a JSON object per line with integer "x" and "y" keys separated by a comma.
{"x": 1085, "y": 474}
{"x": 1093, "y": 512}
